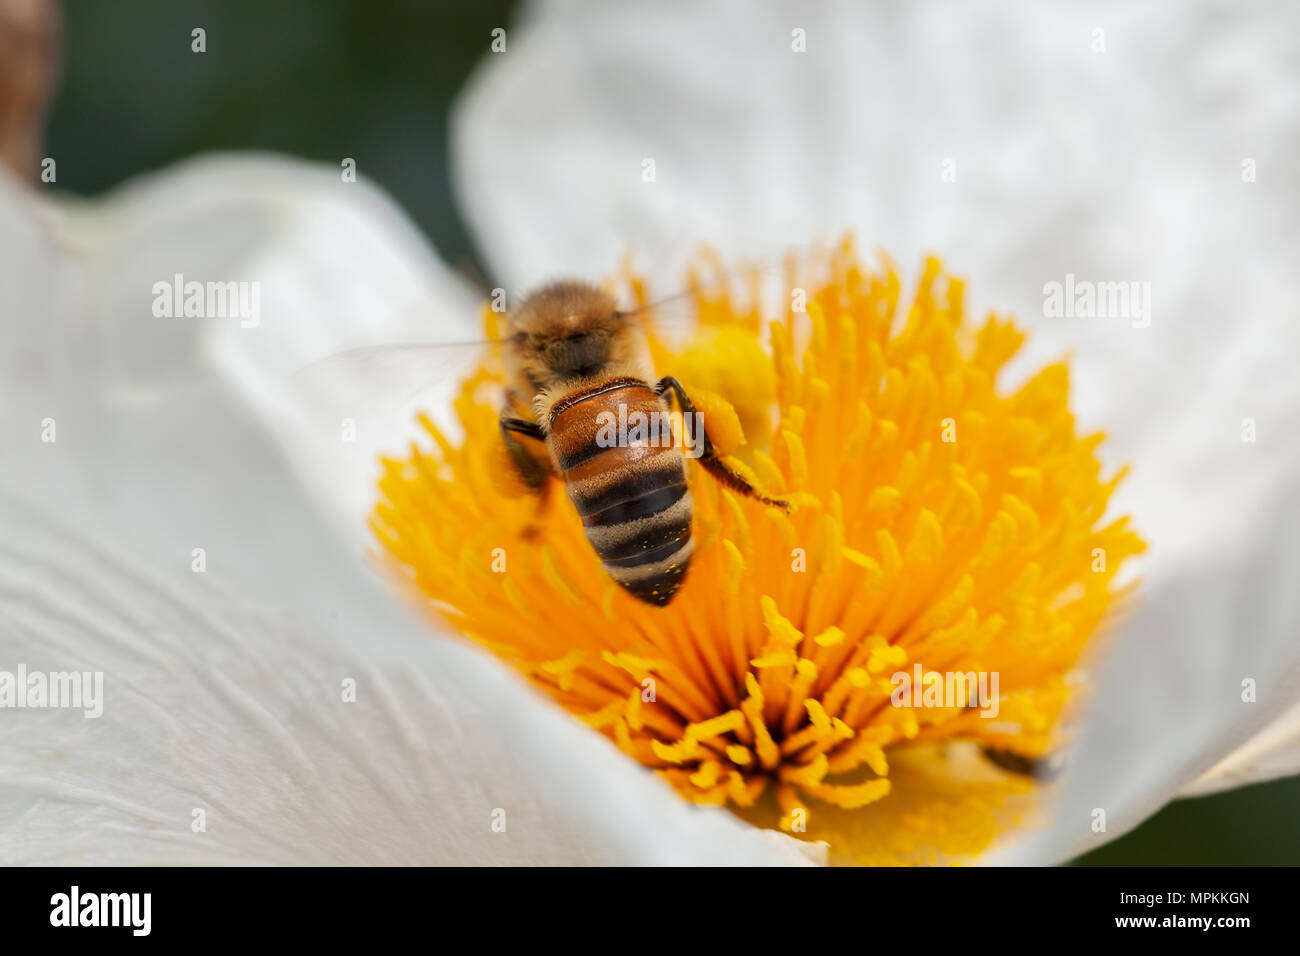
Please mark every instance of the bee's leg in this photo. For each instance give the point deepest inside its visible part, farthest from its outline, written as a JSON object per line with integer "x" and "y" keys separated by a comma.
{"x": 522, "y": 439}
{"x": 709, "y": 455}
{"x": 526, "y": 445}
{"x": 1039, "y": 768}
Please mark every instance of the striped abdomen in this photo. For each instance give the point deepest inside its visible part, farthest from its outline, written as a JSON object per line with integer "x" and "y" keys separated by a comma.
{"x": 635, "y": 508}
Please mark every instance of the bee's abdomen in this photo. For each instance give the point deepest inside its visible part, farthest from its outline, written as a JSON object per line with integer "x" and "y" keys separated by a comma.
{"x": 634, "y": 503}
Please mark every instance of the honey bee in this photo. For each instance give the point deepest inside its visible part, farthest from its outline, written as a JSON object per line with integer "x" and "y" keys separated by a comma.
{"x": 574, "y": 362}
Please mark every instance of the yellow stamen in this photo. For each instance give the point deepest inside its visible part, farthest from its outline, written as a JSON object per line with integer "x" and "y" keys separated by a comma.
{"x": 943, "y": 526}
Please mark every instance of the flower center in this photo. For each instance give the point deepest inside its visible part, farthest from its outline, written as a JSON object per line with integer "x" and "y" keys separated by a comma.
{"x": 947, "y": 559}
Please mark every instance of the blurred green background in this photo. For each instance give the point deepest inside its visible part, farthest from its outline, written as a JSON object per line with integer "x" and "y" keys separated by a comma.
{"x": 325, "y": 79}
{"x": 320, "y": 79}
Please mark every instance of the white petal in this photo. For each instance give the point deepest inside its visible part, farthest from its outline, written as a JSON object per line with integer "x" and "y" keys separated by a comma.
{"x": 223, "y": 689}
{"x": 1126, "y": 164}
{"x": 1273, "y": 752}
{"x": 1168, "y": 708}
{"x": 335, "y": 265}
{"x": 217, "y": 720}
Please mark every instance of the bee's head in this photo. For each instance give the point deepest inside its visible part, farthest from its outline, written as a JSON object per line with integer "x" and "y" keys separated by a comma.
{"x": 563, "y": 331}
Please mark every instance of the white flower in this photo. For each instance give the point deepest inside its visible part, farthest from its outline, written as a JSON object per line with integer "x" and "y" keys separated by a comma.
{"x": 1001, "y": 137}
{"x": 225, "y": 700}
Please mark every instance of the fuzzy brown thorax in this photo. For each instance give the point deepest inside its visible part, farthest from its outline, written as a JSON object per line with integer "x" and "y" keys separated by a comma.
{"x": 569, "y": 332}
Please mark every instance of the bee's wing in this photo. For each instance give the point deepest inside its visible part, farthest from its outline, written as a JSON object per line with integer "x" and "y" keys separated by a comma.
{"x": 370, "y": 382}
{"x": 341, "y": 414}
{"x": 671, "y": 318}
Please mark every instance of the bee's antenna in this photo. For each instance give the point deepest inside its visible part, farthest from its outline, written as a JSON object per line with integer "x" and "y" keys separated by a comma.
{"x": 718, "y": 282}
{"x": 392, "y": 348}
